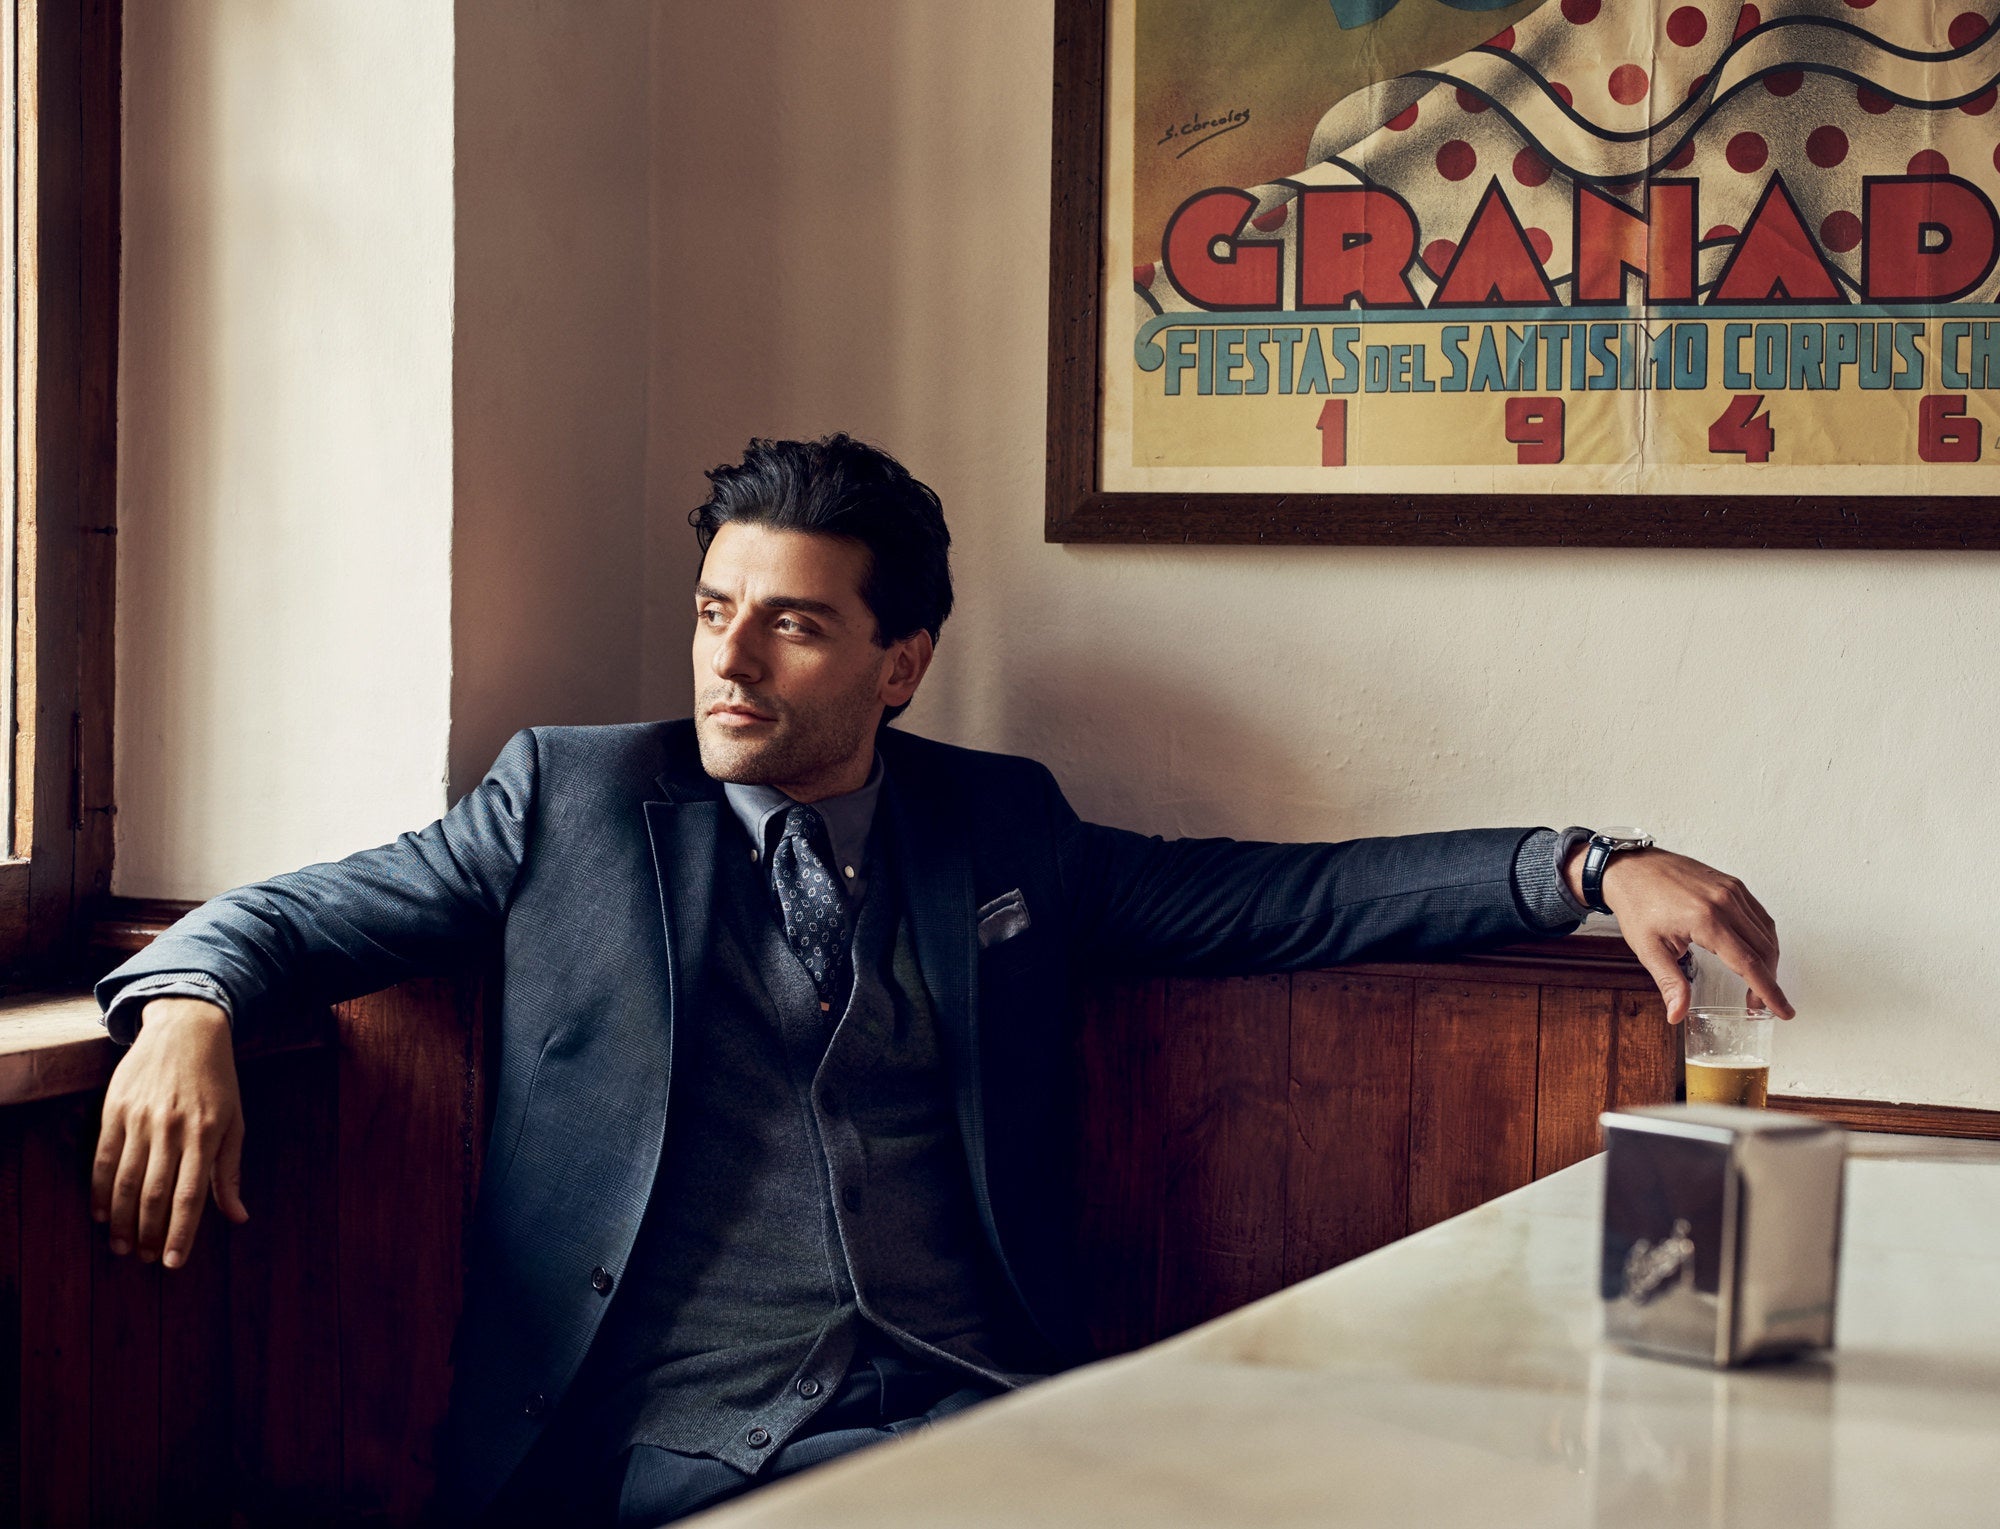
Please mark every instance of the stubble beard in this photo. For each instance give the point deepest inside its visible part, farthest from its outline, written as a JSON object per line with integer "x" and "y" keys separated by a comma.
{"x": 807, "y": 739}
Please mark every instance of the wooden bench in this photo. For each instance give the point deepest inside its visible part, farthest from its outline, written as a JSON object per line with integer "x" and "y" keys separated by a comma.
{"x": 1239, "y": 1134}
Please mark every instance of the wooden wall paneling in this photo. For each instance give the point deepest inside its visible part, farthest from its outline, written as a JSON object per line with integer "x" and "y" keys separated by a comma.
{"x": 58, "y": 1140}
{"x": 1646, "y": 1060}
{"x": 1226, "y": 1059}
{"x": 1347, "y": 1175}
{"x": 124, "y": 1372}
{"x": 196, "y": 1389}
{"x": 284, "y": 1288}
{"x": 407, "y": 1115}
{"x": 1472, "y": 1096}
{"x": 10, "y": 1315}
{"x": 1573, "y": 1074}
{"x": 1121, "y": 1161}
{"x": 1895, "y": 1117}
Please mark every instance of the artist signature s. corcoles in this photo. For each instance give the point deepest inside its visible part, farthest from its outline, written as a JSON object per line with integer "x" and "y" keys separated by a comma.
{"x": 1197, "y": 130}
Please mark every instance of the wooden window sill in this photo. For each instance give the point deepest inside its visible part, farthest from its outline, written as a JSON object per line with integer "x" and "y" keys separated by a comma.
{"x": 53, "y": 1044}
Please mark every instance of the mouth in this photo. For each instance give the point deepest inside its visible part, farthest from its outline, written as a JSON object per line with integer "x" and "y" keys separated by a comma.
{"x": 737, "y": 716}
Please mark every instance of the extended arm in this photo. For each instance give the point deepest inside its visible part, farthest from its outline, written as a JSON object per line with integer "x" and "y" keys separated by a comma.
{"x": 351, "y": 926}
{"x": 1142, "y": 902}
{"x": 172, "y": 1128}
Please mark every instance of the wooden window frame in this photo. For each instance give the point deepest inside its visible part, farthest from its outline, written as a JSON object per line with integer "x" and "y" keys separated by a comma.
{"x": 67, "y": 177}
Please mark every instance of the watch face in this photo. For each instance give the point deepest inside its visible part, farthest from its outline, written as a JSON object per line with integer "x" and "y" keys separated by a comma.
{"x": 1624, "y": 838}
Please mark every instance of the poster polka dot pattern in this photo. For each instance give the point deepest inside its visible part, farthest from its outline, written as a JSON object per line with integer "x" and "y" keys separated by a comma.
{"x": 1747, "y": 152}
{"x": 1455, "y": 160}
{"x": 1840, "y": 231}
{"x": 1628, "y": 84}
{"x": 1686, "y": 27}
{"x": 1826, "y": 147}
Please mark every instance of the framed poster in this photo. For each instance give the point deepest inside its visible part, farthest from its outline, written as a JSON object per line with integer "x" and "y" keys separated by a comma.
{"x": 1599, "y": 272}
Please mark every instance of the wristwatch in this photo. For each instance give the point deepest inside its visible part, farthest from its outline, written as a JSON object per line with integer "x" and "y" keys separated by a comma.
{"x": 1605, "y": 843}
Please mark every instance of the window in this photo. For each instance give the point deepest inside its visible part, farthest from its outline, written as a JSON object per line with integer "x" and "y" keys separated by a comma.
{"x": 61, "y": 92}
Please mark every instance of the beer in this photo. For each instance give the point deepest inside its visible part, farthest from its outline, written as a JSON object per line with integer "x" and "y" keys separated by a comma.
{"x": 1740, "y": 1080}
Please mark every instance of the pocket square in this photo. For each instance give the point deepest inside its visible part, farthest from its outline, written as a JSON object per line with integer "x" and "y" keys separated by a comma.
{"x": 1002, "y": 918}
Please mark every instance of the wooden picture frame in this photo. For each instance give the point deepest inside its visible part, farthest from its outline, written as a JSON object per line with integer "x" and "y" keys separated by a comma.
{"x": 1078, "y": 509}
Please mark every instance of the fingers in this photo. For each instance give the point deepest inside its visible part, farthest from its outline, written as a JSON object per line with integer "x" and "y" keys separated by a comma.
{"x": 1755, "y": 970}
{"x": 128, "y": 1179}
{"x": 190, "y": 1190}
{"x": 157, "y": 1197}
{"x": 1662, "y": 962}
{"x": 104, "y": 1167}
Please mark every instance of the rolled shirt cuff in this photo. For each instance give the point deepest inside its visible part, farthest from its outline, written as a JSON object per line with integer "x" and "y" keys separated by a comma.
{"x": 1538, "y": 880}
{"x": 122, "y": 1019}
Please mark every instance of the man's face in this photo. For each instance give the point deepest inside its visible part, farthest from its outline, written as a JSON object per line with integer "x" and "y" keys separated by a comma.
{"x": 789, "y": 683}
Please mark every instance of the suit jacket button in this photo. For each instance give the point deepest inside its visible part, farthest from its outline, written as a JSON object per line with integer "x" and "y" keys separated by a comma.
{"x": 536, "y": 1405}
{"x": 600, "y": 1280}
{"x": 809, "y": 1387}
{"x": 757, "y": 1438}
{"x": 851, "y": 1198}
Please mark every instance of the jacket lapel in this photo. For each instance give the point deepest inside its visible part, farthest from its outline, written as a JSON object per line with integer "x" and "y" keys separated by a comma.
{"x": 684, "y": 831}
{"x": 935, "y": 863}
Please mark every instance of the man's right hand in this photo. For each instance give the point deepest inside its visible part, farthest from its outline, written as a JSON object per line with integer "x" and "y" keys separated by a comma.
{"x": 173, "y": 1130}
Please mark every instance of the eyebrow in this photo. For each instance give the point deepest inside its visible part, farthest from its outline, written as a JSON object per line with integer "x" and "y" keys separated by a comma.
{"x": 778, "y": 602}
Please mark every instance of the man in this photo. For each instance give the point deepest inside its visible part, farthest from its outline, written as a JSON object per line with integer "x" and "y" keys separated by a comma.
{"x": 842, "y": 952}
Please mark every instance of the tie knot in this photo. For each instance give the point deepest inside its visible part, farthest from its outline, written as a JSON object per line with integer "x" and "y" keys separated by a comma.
{"x": 804, "y": 823}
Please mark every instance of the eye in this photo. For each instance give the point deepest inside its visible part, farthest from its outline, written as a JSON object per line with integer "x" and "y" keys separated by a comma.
{"x": 711, "y": 614}
{"x": 793, "y": 624}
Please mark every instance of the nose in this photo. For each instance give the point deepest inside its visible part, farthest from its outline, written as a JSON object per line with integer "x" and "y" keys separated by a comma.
{"x": 734, "y": 657}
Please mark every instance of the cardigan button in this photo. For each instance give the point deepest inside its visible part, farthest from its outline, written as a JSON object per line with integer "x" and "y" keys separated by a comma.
{"x": 757, "y": 1438}
{"x": 600, "y": 1280}
{"x": 535, "y": 1405}
{"x": 808, "y": 1387}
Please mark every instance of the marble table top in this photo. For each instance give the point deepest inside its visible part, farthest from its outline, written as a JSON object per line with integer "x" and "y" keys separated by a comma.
{"x": 1458, "y": 1377}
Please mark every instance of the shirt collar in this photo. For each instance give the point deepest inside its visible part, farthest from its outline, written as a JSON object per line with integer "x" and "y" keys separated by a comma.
{"x": 761, "y": 810}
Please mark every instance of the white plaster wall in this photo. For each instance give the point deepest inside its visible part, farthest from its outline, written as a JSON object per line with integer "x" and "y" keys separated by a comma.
{"x": 851, "y": 223}
{"x": 284, "y": 641}
{"x": 549, "y": 381}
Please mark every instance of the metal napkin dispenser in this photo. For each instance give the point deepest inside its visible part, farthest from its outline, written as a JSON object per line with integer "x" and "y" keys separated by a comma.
{"x": 1721, "y": 1231}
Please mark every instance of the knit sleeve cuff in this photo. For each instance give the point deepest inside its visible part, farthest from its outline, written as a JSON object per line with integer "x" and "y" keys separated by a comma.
{"x": 1538, "y": 880}
{"x": 121, "y": 1019}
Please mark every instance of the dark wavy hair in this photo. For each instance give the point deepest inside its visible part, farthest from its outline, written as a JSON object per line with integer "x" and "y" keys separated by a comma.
{"x": 838, "y": 486}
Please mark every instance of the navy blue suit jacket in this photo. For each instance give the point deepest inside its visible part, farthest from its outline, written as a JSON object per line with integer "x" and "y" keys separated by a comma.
{"x": 587, "y": 856}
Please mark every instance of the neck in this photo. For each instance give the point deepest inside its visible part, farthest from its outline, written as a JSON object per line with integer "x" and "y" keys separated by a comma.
{"x": 851, "y": 775}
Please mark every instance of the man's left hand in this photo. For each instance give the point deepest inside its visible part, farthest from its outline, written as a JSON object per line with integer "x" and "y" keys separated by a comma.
{"x": 1667, "y": 902}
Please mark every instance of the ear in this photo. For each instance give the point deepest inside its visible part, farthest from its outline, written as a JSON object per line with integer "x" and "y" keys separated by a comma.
{"x": 909, "y": 658}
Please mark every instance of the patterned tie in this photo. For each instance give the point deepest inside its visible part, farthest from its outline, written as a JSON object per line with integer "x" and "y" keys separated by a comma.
{"x": 810, "y": 903}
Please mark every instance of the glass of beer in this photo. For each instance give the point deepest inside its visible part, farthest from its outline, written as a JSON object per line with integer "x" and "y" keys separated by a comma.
{"x": 1728, "y": 1055}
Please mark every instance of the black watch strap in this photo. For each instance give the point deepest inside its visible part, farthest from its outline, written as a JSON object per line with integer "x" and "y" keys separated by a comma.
{"x": 1602, "y": 847}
